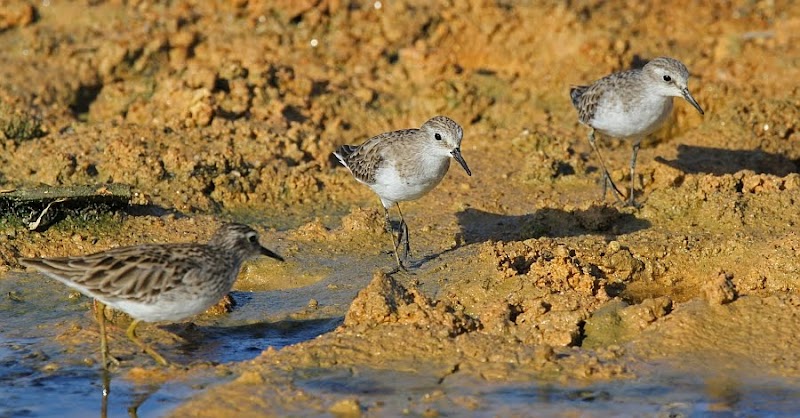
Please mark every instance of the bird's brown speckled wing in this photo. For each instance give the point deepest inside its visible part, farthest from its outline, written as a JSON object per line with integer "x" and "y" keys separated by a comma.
{"x": 140, "y": 272}
{"x": 365, "y": 159}
{"x": 576, "y": 93}
{"x": 586, "y": 98}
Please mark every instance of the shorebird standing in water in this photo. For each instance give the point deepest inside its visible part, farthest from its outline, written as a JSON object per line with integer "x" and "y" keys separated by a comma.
{"x": 156, "y": 282}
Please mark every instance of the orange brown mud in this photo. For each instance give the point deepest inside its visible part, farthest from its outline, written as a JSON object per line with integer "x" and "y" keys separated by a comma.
{"x": 226, "y": 109}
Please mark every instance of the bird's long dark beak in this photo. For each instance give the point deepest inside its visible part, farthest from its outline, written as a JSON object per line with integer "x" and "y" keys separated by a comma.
{"x": 456, "y": 153}
{"x": 269, "y": 253}
{"x": 690, "y": 99}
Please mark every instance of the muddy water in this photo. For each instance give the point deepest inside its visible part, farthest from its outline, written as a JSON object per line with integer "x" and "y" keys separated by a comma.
{"x": 49, "y": 342}
{"x": 529, "y": 293}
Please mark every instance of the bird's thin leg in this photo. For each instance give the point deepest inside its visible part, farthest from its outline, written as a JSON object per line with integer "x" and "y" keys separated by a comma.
{"x": 636, "y": 146}
{"x": 606, "y": 177}
{"x": 403, "y": 235}
{"x": 146, "y": 348}
{"x": 395, "y": 244}
{"x": 105, "y": 356}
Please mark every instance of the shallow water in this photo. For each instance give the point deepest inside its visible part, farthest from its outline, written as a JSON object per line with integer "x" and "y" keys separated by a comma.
{"x": 43, "y": 376}
{"x": 76, "y": 391}
{"x": 662, "y": 395}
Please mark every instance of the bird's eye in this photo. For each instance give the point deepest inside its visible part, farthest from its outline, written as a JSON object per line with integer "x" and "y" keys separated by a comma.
{"x": 667, "y": 78}
{"x": 438, "y": 137}
{"x": 253, "y": 239}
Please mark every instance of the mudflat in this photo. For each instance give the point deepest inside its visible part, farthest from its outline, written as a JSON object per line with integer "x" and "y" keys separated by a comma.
{"x": 523, "y": 276}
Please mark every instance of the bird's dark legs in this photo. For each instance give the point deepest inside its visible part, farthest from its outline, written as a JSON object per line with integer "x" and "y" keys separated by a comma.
{"x": 395, "y": 244}
{"x": 606, "y": 177}
{"x": 636, "y": 146}
{"x": 403, "y": 237}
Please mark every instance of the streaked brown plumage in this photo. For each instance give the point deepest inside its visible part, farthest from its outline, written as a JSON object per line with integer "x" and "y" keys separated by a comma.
{"x": 157, "y": 282}
{"x": 405, "y": 165}
{"x": 631, "y": 105}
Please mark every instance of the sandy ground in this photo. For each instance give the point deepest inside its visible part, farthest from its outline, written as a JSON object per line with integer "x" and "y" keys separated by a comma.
{"x": 231, "y": 109}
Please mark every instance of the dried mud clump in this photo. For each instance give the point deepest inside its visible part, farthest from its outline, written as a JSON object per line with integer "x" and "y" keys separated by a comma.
{"x": 385, "y": 301}
{"x": 546, "y": 156}
{"x": 16, "y": 14}
{"x": 9, "y": 254}
{"x": 617, "y": 322}
{"x": 363, "y": 220}
{"x": 547, "y": 263}
{"x": 774, "y": 270}
{"x": 720, "y": 290}
{"x": 542, "y": 295}
{"x": 390, "y": 325}
{"x": 619, "y": 265}
{"x": 17, "y": 124}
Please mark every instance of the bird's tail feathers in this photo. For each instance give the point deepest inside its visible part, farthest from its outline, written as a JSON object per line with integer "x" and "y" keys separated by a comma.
{"x": 343, "y": 152}
{"x": 575, "y": 93}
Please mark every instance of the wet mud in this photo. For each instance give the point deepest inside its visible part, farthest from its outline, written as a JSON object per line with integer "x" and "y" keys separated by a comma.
{"x": 527, "y": 290}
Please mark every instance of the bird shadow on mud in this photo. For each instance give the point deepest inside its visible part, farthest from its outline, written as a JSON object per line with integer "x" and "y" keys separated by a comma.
{"x": 152, "y": 210}
{"x": 221, "y": 344}
{"x": 718, "y": 161}
{"x": 480, "y": 226}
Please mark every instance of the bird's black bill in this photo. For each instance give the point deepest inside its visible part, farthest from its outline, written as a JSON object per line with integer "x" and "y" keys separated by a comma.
{"x": 690, "y": 99}
{"x": 270, "y": 254}
{"x": 456, "y": 153}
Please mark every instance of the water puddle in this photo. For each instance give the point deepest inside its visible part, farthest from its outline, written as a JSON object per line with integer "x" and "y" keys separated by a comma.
{"x": 393, "y": 393}
{"x": 43, "y": 370}
{"x": 27, "y": 391}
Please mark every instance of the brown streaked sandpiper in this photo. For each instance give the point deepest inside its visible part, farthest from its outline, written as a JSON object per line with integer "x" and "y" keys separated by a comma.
{"x": 405, "y": 165}
{"x": 156, "y": 282}
{"x": 631, "y": 105}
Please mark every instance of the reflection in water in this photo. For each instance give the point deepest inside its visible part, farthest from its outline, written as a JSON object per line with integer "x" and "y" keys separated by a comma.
{"x": 135, "y": 400}
{"x": 106, "y": 391}
{"x": 723, "y": 392}
{"x": 666, "y": 394}
{"x": 221, "y": 344}
{"x": 138, "y": 400}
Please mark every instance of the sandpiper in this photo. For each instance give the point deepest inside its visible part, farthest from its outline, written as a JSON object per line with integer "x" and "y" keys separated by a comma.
{"x": 405, "y": 165}
{"x": 631, "y": 105}
{"x": 156, "y": 282}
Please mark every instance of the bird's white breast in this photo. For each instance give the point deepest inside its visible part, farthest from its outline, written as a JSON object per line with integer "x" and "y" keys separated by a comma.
{"x": 174, "y": 305}
{"x": 418, "y": 178}
{"x": 634, "y": 119}
{"x": 175, "y": 310}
